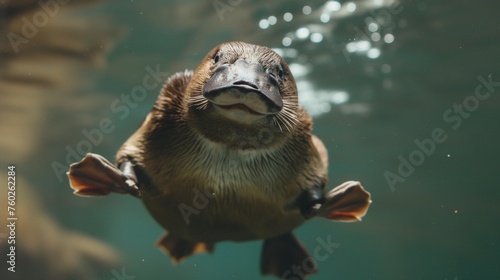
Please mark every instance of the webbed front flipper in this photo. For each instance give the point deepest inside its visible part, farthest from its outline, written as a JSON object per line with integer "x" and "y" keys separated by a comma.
{"x": 96, "y": 176}
{"x": 179, "y": 248}
{"x": 284, "y": 253}
{"x": 347, "y": 202}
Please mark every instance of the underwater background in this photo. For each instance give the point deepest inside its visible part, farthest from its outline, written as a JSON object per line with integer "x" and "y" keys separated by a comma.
{"x": 404, "y": 94}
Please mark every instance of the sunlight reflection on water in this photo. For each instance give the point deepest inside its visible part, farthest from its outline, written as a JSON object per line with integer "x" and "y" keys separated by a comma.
{"x": 316, "y": 31}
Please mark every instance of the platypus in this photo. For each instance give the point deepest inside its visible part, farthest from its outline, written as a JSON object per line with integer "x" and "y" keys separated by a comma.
{"x": 227, "y": 154}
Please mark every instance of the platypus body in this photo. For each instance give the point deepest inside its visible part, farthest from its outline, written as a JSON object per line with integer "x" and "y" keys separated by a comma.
{"x": 227, "y": 154}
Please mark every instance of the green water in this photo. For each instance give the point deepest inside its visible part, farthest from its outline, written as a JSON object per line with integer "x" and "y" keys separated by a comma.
{"x": 404, "y": 95}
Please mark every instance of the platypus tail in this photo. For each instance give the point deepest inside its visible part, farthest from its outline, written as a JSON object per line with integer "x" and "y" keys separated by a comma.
{"x": 283, "y": 254}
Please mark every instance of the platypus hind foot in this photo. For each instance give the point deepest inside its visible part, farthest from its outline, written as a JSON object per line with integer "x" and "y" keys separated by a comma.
{"x": 179, "y": 249}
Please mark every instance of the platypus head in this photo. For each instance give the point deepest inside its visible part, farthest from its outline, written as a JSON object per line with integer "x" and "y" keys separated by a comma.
{"x": 243, "y": 88}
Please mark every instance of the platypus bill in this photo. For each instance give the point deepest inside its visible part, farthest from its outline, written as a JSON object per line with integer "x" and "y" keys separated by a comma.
{"x": 227, "y": 154}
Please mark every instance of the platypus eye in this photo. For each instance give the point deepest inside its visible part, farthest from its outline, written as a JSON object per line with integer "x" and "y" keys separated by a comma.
{"x": 276, "y": 72}
{"x": 281, "y": 73}
{"x": 217, "y": 57}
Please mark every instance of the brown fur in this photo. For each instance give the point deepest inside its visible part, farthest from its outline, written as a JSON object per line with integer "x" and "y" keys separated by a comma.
{"x": 249, "y": 174}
